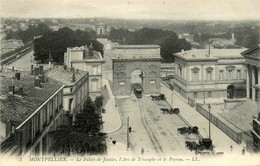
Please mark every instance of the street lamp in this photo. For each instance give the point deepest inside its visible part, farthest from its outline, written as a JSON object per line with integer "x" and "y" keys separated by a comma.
{"x": 209, "y": 107}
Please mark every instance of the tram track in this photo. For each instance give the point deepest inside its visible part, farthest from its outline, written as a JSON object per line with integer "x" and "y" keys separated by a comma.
{"x": 154, "y": 140}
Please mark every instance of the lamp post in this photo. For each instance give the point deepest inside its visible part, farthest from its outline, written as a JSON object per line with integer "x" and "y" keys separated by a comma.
{"x": 209, "y": 107}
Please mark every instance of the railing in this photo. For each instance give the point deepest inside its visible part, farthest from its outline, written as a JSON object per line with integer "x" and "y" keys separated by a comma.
{"x": 235, "y": 135}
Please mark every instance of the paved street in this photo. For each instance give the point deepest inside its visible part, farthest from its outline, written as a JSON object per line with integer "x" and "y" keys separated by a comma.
{"x": 151, "y": 129}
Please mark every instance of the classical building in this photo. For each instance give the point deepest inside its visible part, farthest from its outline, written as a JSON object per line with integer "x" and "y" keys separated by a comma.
{"x": 167, "y": 69}
{"x": 252, "y": 56}
{"x": 31, "y": 105}
{"x": 136, "y": 64}
{"x": 75, "y": 91}
{"x": 86, "y": 59}
{"x": 216, "y": 73}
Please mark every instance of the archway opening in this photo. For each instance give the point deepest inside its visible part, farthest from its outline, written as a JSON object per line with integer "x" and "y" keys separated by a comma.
{"x": 230, "y": 92}
{"x": 137, "y": 77}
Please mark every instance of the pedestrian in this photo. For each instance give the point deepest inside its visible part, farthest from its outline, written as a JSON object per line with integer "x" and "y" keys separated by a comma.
{"x": 142, "y": 151}
{"x": 243, "y": 151}
{"x": 105, "y": 86}
{"x": 130, "y": 129}
{"x": 231, "y": 148}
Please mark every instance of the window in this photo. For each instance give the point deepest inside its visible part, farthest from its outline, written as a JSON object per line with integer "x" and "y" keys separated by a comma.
{"x": 209, "y": 71}
{"x": 221, "y": 75}
{"x": 180, "y": 71}
{"x": 195, "y": 76}
{"x": 209, "y": 94}
{"x": 209, "y": 75}
{"x": 230, "y": 73}
{"x": 238, "y": 74}
{"x": 195, "y": 94}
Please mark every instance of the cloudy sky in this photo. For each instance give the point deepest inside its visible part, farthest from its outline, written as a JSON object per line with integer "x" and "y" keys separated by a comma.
{"x": 143, "y": 9}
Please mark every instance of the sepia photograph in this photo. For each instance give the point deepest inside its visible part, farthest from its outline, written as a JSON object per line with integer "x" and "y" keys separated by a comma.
{"x": 130, "y": 82}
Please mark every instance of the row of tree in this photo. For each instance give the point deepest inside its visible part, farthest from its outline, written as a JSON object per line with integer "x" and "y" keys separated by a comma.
{"x": 56, "y": 43}
{"x": 84, "y": 136}
{"x": 168, "y": 40}
{"x": 28, "y": 34}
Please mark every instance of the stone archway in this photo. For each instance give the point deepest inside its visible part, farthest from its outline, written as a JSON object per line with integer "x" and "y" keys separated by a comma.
{"x": 130, "y": 58}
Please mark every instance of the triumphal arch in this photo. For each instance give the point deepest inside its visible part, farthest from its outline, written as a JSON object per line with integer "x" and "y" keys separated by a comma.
{"x": 136, "y": 64}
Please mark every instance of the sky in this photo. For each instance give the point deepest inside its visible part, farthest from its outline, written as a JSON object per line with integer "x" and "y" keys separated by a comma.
{"x": 133, "y": 9}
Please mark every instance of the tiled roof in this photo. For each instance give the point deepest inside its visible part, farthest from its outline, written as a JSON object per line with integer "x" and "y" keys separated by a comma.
{"x": 65, "y": 76}
{"x": 203, "y": 54}
{"x": 15, "y": 108}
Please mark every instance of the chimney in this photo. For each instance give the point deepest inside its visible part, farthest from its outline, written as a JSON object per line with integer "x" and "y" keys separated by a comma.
{"x": 32, "y": 70}
{"x": 90, "y": 50}
{"x": 73, "y": 77}
{"x": 17, "y": 75}
{"x": 65, "y": 67}
{"x": 42, "y": 79}
{"x": 36, "y": 71}
{"x": 20, "y": 92}
{"x": 37, "y": 82}
{"x": 72, "y": 69}
{"x": 11, "y": 89}
{"x": 41, "y": 70}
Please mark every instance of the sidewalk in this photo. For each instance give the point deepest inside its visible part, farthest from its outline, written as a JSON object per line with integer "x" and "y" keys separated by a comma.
{"x": 111, "y": 118}
{"x": 220, "y": 139}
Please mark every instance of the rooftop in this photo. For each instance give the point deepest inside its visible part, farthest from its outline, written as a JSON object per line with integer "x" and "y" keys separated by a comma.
{"x": 65, "y": 76}
{"x": 16, "y": 108}
{"x": 215, "y": 54}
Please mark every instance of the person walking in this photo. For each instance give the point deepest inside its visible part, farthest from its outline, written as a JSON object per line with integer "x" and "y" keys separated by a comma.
{"x": 231, "y": 148}
{"x": 142, "y": 151}
{"x": 243, "y": 151}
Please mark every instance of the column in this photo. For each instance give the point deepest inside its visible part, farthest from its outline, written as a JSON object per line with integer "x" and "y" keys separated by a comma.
{"x": 247, "y": 82}
{"x": 258, "y": 100}
{"x": 253, "y": 83}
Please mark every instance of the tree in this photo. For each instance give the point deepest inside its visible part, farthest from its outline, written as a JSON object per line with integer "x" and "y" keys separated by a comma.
{"x": 99, "y": 102}
{"x": 57, "y": 43}
{"x": 84, "y": 136}
{"x": 168, "y": 40}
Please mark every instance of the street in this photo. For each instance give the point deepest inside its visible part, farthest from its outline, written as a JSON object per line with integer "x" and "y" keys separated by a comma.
{"x": 152, "y": 130}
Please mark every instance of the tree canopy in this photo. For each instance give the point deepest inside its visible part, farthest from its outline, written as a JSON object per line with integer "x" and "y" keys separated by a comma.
{"x": 168, "y": 40}
{"x": 84, "y": 136}
{"x": 57, "y": 43}
{"x": 28, "y": 34}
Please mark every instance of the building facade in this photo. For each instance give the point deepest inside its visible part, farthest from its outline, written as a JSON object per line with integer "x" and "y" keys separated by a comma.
{"x": 75, "y": 91}
{"x": 252, "y": 56}
{"x": 31, "y": 106}
{"x": 218, "y": 73}
{"x": 86, "y": 59}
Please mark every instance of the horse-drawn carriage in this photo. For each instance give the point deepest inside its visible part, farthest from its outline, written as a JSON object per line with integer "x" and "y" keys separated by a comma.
{"x": 188, "y": 130}
{"x": 170, "y": 110}
{"x": 158, "y": 97}
{"x": 204, "y": 144}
